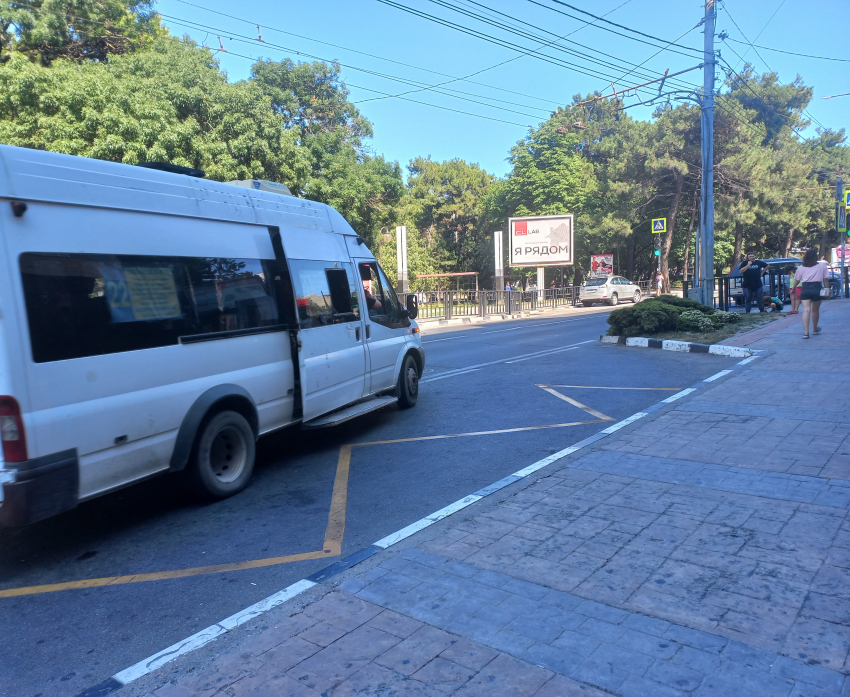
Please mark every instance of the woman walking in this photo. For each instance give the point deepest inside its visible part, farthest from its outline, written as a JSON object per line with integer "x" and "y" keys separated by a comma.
{"x": 812, "y": 277}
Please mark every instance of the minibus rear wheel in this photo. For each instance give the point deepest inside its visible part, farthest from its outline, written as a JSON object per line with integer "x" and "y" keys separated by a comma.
{"x": 223, "y": 457}
{"x": 408, "y": 383}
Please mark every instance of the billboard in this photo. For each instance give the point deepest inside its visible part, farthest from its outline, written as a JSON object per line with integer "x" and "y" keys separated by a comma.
{"x": 601, "y": 265}
{"x": 545, "y": 240}
{"x": 837, "y": 252}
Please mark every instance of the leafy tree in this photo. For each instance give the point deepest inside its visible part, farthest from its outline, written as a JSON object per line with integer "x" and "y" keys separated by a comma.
{"x": 447, "y": 201}
{"x": 170, "y": 103}
{"x": 78, "y": 29}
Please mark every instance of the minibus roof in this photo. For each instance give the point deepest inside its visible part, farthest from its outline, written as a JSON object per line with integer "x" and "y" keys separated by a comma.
{"x": 36, "y": 175}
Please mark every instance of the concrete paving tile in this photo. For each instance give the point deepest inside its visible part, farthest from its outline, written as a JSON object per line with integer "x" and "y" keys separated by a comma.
{"x": 469, "y": 654}
{"x": 445, "y": 675}
{"x": 636, "y": 686}
{"x": 230, "y": 667}
{"x": 558, "y": 660}
{"x": 342, "y": 610}
{"x": 647, "y": 625}
{"x": 172, "y": 690}
{"x": 507, "y": 677}
{"x": 599, "y": 629}
{"x": 696, "y": 659}
{"x": 699, "y": 615}
{"x": 510, "y": 642}
{"x": 674, "y": 675}
{"x": 559, "y": 599}
{"x": 576, "y": 643}
{"x": 747, "y": 655}
{"x": 312, "y": 680}
{"x": 826, "y": 607}
{"x": 560, "y": 686}
{"x": 600, "y": 674}
{"x": 622, "y": 658}
{"x": 394, "y": 623}
{"x": 696, "y": 638}
{"x": 817, "y": 640}
{"x": 409, "y": 655}
{"x": 648, "y": 644}
{"x": 803, "y": 672}
{"x": 322, "y": 634}
{"x": 264, "y": 685}
{"x": 376, "y": 680}
{"x": 537, "y": 629}
{"x": 350, "y": 653}
{"x": 274, "y": 636}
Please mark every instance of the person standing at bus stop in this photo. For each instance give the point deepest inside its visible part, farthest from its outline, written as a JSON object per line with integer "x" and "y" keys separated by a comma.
{"x": 753, "y": 271}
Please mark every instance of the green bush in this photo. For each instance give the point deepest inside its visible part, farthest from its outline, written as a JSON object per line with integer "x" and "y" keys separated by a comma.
{"x": 666, "y": 314}
{"x": 686, "y": 303}
{"x": 648, "y": 317}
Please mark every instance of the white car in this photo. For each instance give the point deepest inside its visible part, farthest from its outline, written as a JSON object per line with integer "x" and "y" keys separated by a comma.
{"x": 610, "y": 290}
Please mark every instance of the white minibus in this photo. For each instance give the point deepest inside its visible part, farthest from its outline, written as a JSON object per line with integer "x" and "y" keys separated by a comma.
{"x": 153, "y": 321}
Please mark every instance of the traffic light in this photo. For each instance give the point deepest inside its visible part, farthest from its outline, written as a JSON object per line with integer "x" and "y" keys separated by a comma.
{"x": 657, "y": 239}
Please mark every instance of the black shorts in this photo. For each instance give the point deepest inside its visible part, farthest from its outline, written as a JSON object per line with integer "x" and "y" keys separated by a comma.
{"x": 811, "y": 290}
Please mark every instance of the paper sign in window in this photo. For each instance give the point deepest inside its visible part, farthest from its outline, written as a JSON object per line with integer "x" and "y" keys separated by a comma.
{"x": 153, "y": 293}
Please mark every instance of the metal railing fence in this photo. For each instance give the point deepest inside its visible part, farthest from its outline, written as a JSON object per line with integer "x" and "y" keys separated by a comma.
{"x": 446, "y": 304}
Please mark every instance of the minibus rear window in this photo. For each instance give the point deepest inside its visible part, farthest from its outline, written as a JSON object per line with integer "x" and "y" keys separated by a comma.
{"x": 91, "y": 304}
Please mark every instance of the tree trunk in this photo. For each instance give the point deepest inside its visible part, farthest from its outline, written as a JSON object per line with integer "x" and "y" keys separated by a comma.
{"x": 630, "y": 257}
{"x": 824, "y": 240}
{"x": 688, "y": 239}
{"x": 789, "y": 238}
{"x": 739, "y": 244}
{"x": 668, "y": 236}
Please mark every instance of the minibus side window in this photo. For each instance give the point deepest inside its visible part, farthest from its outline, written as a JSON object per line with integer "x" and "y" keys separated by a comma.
{"x": 383, "y": 304}
{"x": 93, "y": 304}
{"x": 325, "y": 293}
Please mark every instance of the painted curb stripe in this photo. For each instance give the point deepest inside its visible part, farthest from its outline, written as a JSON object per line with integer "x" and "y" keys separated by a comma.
{"x": 211, "y": 633}
{"x": 682, "y": 346}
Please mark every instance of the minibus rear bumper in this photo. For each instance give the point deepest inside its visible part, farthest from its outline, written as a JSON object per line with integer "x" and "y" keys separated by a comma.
{"x": 39, "y": 488}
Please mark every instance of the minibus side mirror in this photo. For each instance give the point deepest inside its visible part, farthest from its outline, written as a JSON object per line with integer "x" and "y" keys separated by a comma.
{"x": 412, "y": 306}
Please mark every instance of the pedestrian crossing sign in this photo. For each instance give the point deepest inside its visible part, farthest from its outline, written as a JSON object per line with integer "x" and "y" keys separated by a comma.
{"x": 659, "y": 225}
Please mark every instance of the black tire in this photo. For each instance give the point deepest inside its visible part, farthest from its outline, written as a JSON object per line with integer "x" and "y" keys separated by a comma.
{"x": 636, "y": 297}
{"x": 222, "y": 459}
{"x": 614, "y": 300}
{"x": 587, "y": 304}
{"x": 408, "y": 383}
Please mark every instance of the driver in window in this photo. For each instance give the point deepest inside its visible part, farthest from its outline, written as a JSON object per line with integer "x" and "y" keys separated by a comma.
{"x": 371, "y": 301}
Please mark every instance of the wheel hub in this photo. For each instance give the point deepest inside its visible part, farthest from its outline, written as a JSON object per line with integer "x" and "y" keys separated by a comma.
{"x": 228, "y": 454}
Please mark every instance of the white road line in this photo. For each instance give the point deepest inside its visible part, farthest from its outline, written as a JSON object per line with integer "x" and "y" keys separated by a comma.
{"x": 451, "y": 338}
{"x": 725, "y": 372}
{"x": 543, "y": 355}
{"x": 209, "y": 634}
{"x": 679, "y": 395}
{"x": 510, "y": 359}
{"x": 450, "y": 375}
{"x": 625, "y": 422}
{"x": 423, "y": 523}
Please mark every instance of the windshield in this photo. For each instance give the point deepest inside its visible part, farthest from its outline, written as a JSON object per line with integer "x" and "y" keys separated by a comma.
{"x": 597, "y": 282}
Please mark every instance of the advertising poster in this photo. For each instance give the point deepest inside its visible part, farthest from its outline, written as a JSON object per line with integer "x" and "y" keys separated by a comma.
{"x": 541, "y": 241}
{"x": 837, "y": 252}
{"x": 601, "y": 265}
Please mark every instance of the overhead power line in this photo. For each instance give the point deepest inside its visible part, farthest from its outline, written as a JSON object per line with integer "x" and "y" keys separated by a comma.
{"x": 790, "y": 53}
{"x": 622, "y": 26}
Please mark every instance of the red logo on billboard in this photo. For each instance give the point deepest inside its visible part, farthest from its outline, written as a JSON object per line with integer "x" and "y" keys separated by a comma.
{"x": 521, "y": 227}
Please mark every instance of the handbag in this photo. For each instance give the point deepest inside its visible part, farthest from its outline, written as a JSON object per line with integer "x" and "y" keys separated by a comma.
{"x": 825, "y": 293}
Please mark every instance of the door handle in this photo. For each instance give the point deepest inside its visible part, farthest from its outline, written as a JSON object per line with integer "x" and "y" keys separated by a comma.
{"x": 357, "y": 333}
{"x": 368, "y": 333}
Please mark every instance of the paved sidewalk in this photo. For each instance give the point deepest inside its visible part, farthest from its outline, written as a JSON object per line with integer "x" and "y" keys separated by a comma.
{"x": 703, "y": 551}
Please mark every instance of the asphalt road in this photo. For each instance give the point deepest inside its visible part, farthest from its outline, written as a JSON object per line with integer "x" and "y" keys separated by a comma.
{"x": 478, "y": 378}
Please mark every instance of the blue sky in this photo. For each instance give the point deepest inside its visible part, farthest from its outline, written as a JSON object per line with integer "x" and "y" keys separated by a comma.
{"x": 522, "y": 90}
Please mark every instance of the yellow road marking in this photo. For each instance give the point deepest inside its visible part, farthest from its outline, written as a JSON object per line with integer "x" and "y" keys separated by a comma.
{"x": 583, "y": 407}
{"x": 333, "y": 534}
{"x": 159, "y": 575}
{"x": 590, "y": 387}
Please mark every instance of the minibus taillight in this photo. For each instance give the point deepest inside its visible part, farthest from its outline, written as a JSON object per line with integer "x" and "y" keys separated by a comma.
{"x": 12, "y": 431}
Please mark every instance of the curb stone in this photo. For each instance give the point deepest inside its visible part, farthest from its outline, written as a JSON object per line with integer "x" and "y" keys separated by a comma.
{"x": 682, "y": 346}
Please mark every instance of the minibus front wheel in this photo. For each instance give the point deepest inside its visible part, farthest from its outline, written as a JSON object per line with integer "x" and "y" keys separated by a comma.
{"x": 223, "y": 457}
{"x": 408, "y": 382}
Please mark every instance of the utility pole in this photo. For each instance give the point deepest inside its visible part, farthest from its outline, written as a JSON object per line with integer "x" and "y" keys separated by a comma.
{"x": 839, "y": 228}
{"x": 706, "y": 256}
